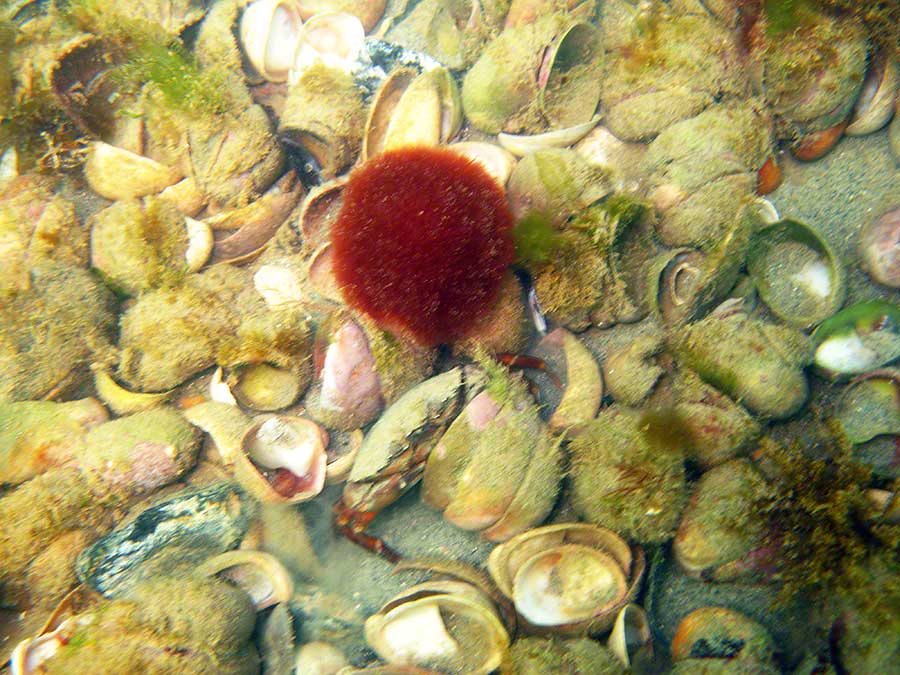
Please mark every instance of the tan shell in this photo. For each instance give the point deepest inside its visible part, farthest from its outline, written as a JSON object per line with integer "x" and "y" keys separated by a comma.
{"x": 121, "y": 400}
{"x": 417, "y": 626}
{"x": 334, "y": 38}
{"x": 876, "y": 100}
{"x": 260, "y": 574}
{"x": 497, "y": 161}
{"x": 368, "y": 11}
{"x": 521, "y": 145}
{"x": 574, "y": 554}
{"x": 115, "y": 173}
{"x": 413, "y": 109}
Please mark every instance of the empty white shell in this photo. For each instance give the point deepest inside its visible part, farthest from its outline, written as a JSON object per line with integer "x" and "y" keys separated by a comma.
{"x": 270, "y": 31}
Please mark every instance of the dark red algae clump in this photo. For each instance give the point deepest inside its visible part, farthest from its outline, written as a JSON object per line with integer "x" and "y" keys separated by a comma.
{"x": 421, "y": 242}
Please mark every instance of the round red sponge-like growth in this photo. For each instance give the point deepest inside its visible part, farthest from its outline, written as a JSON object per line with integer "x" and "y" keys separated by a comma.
{"x": 421, "y": 242}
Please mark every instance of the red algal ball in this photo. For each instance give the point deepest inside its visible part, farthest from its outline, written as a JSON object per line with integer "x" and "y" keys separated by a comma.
{"x": 421, "y": 242}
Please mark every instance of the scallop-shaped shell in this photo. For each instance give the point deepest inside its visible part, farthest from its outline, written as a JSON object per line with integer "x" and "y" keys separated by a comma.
{"x": 570, "y": 578}
{"x": 334, "y": 38}
{"x": 260, "y": 574}
{"x": 270, "y": 32}
{"x": 413, "y": 109}
{"x": 858, "y": 339}
{"x": 796, "y": 273}
{"x": 433, "y": 623}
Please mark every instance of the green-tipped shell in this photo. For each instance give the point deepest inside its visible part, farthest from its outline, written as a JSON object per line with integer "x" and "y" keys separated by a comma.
{"x": 324, "y": 115}
{"x": 413, "y": 109}
{"x": 859, "y": 338}
{"x": 533, "y": 75}
{"x": 870, "y": 406}
{"x": 596, "y": 572}
{"x": 796, "y": 273}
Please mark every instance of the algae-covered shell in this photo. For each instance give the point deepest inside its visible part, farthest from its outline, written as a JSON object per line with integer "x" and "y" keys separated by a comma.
{"x": 875, "y": 106}
{"x": 260, "y": 574}
{"x": 719, "y": 533}
{"x": 451, "y": 625}
{"x": 858, "y": 339}
{"x": 631, "y": 372}
{"x": 139, "y": 452}
{"x": 496, "y": 469}
{"x": 569, "y": 579}
{"x": 324, "y": 115}
{"x": 269, "y": 32}
{"x": 757, "y": 363}
{"x": 412, "y": 109}
{"x": 870, "y": 406}
{"x": 40, "y": 435}
{"x": 722, "y": 633}
{"x": 578, "y": 656}
{"x": 627, "y": 473}
{"x": 261, "y": 386}
{"x": 197, "y": 523}
{"x": 796, "y": 273}
{"x": 534, "y": 75}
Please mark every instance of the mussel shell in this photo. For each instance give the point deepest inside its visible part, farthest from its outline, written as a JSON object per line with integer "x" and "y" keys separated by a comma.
{"x": 195, "y": 523}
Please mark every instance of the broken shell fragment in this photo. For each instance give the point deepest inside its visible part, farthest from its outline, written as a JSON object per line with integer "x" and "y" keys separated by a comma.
{"x": 116, "y": 173}
{"x": 630, "y": 633}
{"x": 260, "y": 574}
{"x": 123, "y": 401}
{"x": 521, "y": 145}
{"x": 200, "y": 243}
{"x": 796, "y": 273}
{"x": 434, "y": 625}
{"x": 875, "y": 105}
{"x": 858, "y": 339}
{"x": 570, "y": 579}
{"x": 497, "y": 161}
{"x": 270, "y": 31}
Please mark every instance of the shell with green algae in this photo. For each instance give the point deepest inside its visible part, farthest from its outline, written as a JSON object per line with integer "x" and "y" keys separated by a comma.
{"x": 38, "y": 512}
{"x": 49, "y": 332}
{"x": 36, "y": 224}
{"x": 324, "y": 114}
{"x": 362, "y": 368}
{"x": 718, "y": 428}
{"x": 758, "y": 364}
{"x": 869, "y": 406}
{"x": 497, "y": 468}
{"x": 138, "y": 246}
{"x": 663, "y": 67}
{"x": 627, "y": 473}
{"x": 453, "y": 33}
{"x": 139, "y": 453}
{"x": 811, "y": 81}
{"x": 581, "y": 656}
{"x": 535, "y": 76}
{"x": 721, "y": 530}
{"x": 39, "y": 435}
{"x": 556, "y": 183}
{"x": 170, "y": 334}
{"x": 204, "y": 626}
{"x": 592, "y": 271}
{"x": 703, "y": 171}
